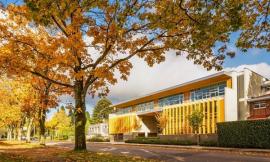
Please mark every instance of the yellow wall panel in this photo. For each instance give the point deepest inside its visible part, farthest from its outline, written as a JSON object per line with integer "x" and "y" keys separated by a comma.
{"x": 213, "y": 110}
{"x": 177, "y": 116}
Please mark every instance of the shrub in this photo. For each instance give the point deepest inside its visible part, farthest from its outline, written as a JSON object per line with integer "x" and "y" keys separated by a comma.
{"x": 209, "y": 143}
{"x": 98, "y": 139}
{"x": 159, "y": 141}
{"x": 244, "y": 134}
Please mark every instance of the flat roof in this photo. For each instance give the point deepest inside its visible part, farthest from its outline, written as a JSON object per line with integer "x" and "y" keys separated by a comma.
{"x": 204, "y": 81}
{"x": 260, "y": 98}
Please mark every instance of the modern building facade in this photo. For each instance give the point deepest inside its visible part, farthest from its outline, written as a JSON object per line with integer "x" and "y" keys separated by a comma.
{"x": 224, "y": 96}
{"x": 100, "y": 129}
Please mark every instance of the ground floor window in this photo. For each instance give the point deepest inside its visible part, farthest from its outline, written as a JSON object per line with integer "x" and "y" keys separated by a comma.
{"x": 260, "y": 105}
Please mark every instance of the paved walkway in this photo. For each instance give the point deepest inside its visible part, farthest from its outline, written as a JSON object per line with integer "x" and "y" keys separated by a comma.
{"x": 174, "y": 154}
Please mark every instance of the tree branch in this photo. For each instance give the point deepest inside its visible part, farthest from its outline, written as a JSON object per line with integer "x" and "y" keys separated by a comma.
{"x": 51, "y": 80}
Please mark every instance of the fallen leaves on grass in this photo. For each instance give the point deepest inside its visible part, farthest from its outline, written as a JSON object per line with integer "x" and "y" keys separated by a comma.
{"x": 100, "y": 157}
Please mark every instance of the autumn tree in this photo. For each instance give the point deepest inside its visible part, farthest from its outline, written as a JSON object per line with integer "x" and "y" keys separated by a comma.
{"x": 10, "y": 106}
{"x": 101, "y": 110}
{"x": 48, "y": 94}
{"x": 60, "y": 124}
{"x": 162, "y": 120}
{"x": 84, "y": 43}
{"x": 195, "y": 120}
{"x": 17, "y": 106}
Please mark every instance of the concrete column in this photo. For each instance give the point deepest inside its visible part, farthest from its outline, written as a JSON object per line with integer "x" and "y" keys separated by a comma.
{"x": 230, "y": 98}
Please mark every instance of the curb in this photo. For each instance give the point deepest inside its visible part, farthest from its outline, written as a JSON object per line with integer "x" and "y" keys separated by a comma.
{"x": 245, "y": 150}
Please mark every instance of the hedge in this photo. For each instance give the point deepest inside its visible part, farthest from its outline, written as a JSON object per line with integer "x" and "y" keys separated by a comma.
{"x": 244, "y": 134}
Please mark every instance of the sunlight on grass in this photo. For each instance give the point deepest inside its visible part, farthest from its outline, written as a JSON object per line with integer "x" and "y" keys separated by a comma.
{"x": 100, "y": 157}
{"x": 17, "y": 145}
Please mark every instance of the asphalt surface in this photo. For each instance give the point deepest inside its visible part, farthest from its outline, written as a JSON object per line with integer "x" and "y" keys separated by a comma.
{"x": 171, "y": 154}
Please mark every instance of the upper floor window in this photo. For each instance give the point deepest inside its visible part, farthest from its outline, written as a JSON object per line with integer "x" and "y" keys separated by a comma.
{"x": 124, "y": 110}
{"x": 260, "y": 105}
{"x": 208, "y": 92}
{"x": 147, "y": 106}
{"x": 171, "y": 100}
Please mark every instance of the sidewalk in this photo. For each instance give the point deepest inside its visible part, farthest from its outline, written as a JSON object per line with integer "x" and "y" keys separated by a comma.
{"x": 244, "y": 150}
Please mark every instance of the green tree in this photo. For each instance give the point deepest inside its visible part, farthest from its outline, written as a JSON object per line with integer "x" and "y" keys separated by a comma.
{"x": 88, "y": 122}
{"x": 102, "y": 110}
{"x": 195, "y": 121}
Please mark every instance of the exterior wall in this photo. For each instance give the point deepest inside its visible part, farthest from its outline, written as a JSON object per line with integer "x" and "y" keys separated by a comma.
{"x": 149, "y": 125}
{"x": 100, "y": 129}
{"x": 124, "y": 123}
{"x": 177, "y": 123}
{"x": 139, "y": 122}
{"x": 190, "y": 137}
{"x": 260, "y": 113}
{"x": 249, "y": 86}
{"x": 231, "y": 113}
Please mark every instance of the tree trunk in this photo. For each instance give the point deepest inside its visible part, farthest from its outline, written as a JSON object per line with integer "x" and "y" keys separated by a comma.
{"x": 80, "y": 120}
{"x": 42, "y": 118}
{"x": 28, "y": 131}
{"x": 15, "y": 134}
{"x": 20, "y": 133}
{"x": 42, "y": 114}
{"x": 198, "y": 137}
{"x": 9, "y": 134}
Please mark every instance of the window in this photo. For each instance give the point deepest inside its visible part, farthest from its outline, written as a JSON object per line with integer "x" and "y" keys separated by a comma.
{"x": 259, "y": 105}
{"x": 208, "y": 92}
{"x": 124, "y": 110}
{"x": 171, "y": 100}
{"x": 147, "y": 106}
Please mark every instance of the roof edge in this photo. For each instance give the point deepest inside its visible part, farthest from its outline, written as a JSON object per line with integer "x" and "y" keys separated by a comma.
{"x": 177, "y": 86}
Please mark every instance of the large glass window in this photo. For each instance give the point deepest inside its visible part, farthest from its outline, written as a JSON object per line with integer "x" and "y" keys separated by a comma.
{"x": 124, "y": 110}
{"x": 171, "y": 100}
{"x": 147, "y": 106}
{"x": 207, "y": 92}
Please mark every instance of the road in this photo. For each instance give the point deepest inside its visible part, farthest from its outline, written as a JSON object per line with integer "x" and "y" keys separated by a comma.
{"x": 170, "y": 154}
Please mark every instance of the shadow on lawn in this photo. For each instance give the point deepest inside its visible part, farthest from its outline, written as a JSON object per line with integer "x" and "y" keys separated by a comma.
{"x": 60, "y": 154}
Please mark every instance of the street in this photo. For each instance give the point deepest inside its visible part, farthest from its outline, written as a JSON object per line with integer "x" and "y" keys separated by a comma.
{"x": 170, "y": 154}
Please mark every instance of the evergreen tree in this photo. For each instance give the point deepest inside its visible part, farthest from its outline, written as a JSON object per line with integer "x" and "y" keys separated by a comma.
{"x": 102, "y": 110}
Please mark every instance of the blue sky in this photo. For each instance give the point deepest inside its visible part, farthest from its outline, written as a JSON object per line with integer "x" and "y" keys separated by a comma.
{"x": 252, "y": 56}
{"x": 144, "y": 79}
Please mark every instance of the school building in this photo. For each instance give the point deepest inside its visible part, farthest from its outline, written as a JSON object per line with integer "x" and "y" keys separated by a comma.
{"x": 224, "y": 96}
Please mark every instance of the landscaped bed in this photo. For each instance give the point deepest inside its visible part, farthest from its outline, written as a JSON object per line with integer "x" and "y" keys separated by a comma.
{"x": 141, "y": 140}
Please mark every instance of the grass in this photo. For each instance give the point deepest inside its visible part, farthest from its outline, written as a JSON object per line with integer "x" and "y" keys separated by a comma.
{"x": 12, "y": 158}
{"x": 100, "y": 157}
{"x": 17, "y": 145}
{"x": 25, "y": 152}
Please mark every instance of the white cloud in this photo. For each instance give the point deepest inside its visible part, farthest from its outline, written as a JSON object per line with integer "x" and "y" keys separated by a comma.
{"x": 143, "y": 79}
{"x": 261, "y": 68}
